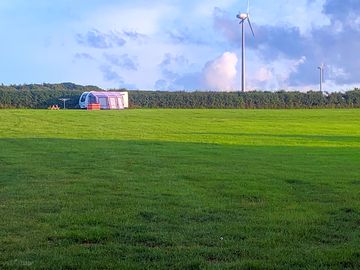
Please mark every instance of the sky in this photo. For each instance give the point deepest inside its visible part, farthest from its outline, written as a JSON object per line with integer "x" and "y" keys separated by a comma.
{"x": 180, "y": 44}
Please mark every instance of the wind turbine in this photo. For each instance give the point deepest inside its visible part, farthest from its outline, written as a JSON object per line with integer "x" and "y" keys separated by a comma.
{"x": 321, "y": 68}
{"x": 244, "y": 17}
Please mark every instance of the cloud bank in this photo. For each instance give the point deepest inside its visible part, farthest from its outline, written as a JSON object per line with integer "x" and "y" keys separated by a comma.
{"x": 220, "y": 74}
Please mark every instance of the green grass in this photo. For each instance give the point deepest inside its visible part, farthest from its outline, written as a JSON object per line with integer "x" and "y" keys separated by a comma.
{"x": 180, "y": 189}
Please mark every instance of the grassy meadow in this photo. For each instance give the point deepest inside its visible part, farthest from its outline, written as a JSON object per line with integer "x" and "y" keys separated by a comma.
{"x": 180, "y": 189}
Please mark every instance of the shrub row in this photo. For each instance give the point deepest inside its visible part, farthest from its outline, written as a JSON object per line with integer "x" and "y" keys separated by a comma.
{"x": 248, "y": 100}
{"x": 41, "y": 96}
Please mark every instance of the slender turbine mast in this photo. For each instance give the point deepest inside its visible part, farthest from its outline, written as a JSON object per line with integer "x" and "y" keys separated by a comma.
{"x": 244, "y": 17}
{"x": 321, "y": 68}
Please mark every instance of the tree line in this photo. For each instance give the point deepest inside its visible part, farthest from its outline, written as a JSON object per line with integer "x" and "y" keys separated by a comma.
{"x": 41, "y": 96}
{"x": 44, "y": 95}
{"x": 248, "y": 100}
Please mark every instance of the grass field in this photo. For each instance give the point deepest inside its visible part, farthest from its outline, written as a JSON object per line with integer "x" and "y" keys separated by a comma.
{"x": 180, "y": 189}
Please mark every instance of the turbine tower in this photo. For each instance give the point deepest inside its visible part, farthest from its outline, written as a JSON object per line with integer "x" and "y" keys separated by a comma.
{"x": 321, "y": 68}
{"x": 244, "y": 17}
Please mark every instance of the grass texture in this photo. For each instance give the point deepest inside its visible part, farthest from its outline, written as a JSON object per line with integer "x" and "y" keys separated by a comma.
{"x": 180, "y": 189}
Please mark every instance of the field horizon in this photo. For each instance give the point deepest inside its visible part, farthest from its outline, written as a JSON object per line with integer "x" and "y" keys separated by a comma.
{"x": 180, "y": 189}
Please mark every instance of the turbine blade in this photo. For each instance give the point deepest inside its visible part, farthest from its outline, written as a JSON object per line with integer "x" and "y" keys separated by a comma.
{"x": 248, "y": 8}
{"x": 252, "y": 30}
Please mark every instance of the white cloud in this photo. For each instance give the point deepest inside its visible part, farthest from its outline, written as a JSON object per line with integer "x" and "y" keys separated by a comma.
{"x": 303, "y": 14}
{"x": 274, "y": 75}
{"x": 220, "y": 74}
{"x": 263, "y": 74}
{"x": 333, "y": 72}
{"x": 143, "y": 20}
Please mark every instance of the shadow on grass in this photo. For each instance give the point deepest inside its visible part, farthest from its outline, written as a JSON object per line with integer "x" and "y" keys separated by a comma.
{"x": 330, "y": 138}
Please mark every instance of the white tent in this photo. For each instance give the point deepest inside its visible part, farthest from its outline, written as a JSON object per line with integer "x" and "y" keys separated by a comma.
{"x": 106, "y": 100}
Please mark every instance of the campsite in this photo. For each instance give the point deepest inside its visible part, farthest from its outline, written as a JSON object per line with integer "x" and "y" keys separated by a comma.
{"x": 149, "y": 189}
{"x": 180, "y": 135}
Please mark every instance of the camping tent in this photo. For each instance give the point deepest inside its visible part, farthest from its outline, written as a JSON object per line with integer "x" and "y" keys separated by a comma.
{"x": 106, "y": 100}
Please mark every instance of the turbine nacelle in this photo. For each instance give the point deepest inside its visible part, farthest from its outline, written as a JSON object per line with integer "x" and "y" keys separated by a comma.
{"x": 245, "y": 17}
{"x": 242, "y": 16}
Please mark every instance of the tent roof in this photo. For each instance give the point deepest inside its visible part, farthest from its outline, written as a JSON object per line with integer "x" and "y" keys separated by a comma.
{"x": 107, "y": 94}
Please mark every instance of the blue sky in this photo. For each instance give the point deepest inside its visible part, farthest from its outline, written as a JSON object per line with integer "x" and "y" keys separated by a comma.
{"x": 180, "y": 45}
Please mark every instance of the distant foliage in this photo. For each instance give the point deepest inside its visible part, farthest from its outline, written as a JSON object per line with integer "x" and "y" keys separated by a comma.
{"x": 42, "y": 96}
{"x": 248, "y": 100}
